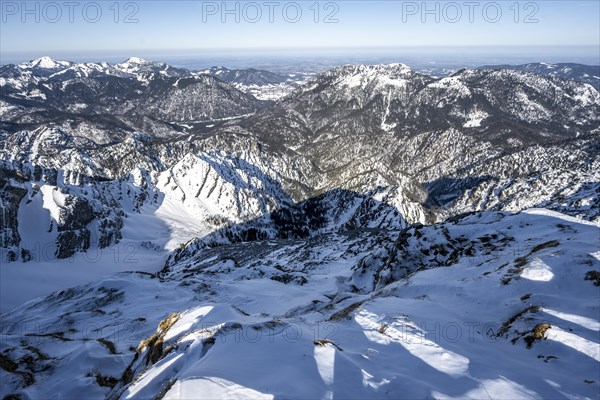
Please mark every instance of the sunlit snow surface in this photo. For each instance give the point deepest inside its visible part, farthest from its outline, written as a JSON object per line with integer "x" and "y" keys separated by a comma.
{"x": 241, "y": 334}
{"x": 537, "y": 271}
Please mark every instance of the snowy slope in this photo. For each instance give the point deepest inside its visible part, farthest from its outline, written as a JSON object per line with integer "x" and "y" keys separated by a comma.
{"x": 332, "y": 316}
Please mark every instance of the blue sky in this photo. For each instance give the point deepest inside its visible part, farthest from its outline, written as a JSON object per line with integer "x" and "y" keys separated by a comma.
{"x": 177, "y": 26}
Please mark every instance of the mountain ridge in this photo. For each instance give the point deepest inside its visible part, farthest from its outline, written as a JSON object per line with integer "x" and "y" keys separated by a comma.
{"x": 508, "y": 128}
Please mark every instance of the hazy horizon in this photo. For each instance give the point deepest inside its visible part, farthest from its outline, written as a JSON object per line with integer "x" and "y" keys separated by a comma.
{"x": 242, "y": 34}
{"x": 417, "y": 56}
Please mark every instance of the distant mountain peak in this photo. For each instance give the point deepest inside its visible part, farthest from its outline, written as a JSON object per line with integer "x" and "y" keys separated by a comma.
{"x": 383, "y": 67}
{"x": 576, "y": 72}
{"x": 45, "y": 63}
{"x": 137, "y": 60}
{"x": 371, "y": 70}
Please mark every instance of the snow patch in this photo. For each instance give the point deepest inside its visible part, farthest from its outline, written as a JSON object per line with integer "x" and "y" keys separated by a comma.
{"x": 587, "y": 347}
{"x": 538, "y": 271}
{"x": 213, "y": 388}
{"x": 474, "y": 118}
{"x": 587, "y": 323}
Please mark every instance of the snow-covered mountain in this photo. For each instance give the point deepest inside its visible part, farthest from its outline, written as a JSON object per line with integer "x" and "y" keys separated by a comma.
{"x": 375, "y": 201}
{"x": 140, "y": 67}
{"x": 264, "y": 85}
{"x": 491, "y": 305}
{"x": 433, "y": 148}
{"x": 137, "y": 94}
{"x": 477, "y": 133}
{"x": 44, "y": 66}
{"x": 132, "y": 67}
{"x": 250, "y": 76}
{"x": 577, "y": 72}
